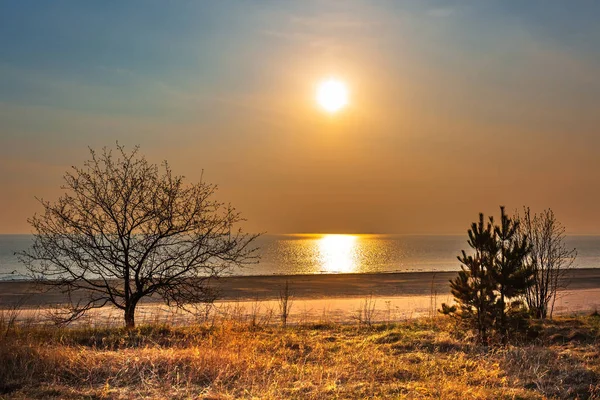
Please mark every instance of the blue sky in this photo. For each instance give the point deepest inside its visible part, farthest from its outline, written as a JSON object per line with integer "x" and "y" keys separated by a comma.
{"x": 499, "y": 98}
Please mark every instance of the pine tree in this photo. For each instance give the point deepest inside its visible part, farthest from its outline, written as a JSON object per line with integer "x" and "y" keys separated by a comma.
{"x": 510, "y": 271}
{"x": 473, "y": 288}
{"x": 489, "y": 279}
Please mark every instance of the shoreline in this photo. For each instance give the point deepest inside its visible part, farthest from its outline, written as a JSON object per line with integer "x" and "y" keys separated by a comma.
{"x": 304, "y": 287}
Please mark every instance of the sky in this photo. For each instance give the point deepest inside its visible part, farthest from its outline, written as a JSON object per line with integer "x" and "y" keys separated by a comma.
{"x": 456, "y": 107}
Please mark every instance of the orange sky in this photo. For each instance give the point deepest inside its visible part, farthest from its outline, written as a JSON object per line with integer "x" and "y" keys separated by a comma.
{"x": 454, "y": 110}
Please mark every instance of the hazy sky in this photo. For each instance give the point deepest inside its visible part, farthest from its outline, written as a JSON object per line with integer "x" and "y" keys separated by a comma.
{"x": 456, "y": 107}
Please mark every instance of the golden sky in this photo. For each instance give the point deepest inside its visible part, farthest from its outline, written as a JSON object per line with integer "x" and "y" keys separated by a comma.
{"x": 455, "y": 107}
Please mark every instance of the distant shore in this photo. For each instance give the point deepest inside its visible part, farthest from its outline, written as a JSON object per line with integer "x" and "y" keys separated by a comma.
{"x": 303, "y": 287}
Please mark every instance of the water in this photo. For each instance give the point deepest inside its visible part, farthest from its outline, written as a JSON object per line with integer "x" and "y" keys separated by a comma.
{"x": 314, "y": 254}
{"x": 10, "y": 267}
{"x": 309, "y": 254}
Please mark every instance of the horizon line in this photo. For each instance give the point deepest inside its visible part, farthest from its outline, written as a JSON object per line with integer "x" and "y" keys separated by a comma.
{"x": 343, "y": 233}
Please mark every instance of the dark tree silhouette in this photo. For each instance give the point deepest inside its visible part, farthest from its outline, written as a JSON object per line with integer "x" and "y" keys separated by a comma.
{"x": 550, "y": 259}
{"x": 473, "y": 288}
{"x": 510, "y": 270}
{"x": 491, "y": 277}
{"x": 125, "y": 229}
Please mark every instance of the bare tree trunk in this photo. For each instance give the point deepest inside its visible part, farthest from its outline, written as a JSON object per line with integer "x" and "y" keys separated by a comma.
{"x": 130, "y": 314}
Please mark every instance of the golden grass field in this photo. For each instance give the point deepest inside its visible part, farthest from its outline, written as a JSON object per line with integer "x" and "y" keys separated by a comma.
{"x": 229, "y": 359}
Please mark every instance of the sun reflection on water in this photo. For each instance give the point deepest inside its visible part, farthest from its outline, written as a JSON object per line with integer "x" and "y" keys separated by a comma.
{"x": 337, "y": 253}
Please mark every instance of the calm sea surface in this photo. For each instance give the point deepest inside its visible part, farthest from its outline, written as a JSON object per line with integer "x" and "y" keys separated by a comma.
{"x": 314, "y": 254}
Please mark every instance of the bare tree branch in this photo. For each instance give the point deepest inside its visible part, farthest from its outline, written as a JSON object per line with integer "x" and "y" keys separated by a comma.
{"x": 550, "y": 258}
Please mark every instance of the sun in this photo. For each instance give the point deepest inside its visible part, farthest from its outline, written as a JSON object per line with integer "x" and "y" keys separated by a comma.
{"x": 332, "y": 95}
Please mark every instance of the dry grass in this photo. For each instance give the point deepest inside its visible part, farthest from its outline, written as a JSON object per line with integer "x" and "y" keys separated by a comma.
{"x": 418, "y": 359}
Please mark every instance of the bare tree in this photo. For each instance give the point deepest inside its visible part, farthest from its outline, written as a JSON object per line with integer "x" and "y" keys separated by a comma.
{"x": 285, "y": 303}
{"x": 366, "y": 314}
{"x": 549, "y": 257}
{"x": 125, "y": 229}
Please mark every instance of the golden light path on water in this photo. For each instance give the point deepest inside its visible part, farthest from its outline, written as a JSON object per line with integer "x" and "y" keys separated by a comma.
{"x": 337, "y": 253}
{"x": 315, "y": 253}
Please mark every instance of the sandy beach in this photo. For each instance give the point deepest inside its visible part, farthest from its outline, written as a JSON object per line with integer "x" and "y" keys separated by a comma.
{"x": 323, "y": 286}
{"x": 333, "y": 297}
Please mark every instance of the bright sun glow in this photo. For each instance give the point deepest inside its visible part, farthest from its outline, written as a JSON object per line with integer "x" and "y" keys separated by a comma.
{"x": 337, "y": 253}
{"x": 332, "y": 95}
